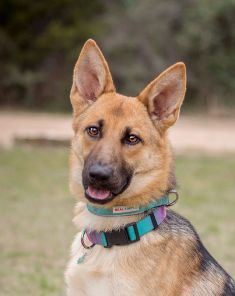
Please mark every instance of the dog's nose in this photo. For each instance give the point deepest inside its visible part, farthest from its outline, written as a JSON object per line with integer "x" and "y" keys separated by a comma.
{"x": 100, "y": 172}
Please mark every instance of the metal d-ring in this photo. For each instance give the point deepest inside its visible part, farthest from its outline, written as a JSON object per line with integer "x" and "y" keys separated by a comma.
{"x": 173, "y": 191}
{"x": 83, "y": 242}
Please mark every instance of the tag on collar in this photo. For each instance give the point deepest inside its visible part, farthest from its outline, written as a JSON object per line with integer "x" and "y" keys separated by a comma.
{"x": 124, "y": 209}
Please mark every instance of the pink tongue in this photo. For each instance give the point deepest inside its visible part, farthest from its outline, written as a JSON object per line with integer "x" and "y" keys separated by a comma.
{"x": 97, "y": 193}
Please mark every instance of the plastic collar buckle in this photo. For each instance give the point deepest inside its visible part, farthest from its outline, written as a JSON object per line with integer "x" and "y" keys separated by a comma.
{"x": 121, "y": 237}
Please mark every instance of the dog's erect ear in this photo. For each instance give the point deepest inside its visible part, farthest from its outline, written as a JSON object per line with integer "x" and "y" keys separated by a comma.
{"x": 91, "y": 77}
{"x": 164, "y": 96}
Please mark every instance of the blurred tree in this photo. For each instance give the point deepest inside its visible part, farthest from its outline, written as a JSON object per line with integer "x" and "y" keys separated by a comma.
{"x": 150, "y": 35}
{"x": 38, "y": 44}
{"x": 40, "y": 41}
{"x": 207, "y": 40}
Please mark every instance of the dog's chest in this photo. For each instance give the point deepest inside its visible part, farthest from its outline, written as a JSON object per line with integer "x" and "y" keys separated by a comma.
{"x": 96, "y": 273}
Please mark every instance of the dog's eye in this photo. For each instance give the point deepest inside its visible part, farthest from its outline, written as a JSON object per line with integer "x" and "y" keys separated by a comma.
{"x": 93, "y": 131}
{"x": 132, "y": 139}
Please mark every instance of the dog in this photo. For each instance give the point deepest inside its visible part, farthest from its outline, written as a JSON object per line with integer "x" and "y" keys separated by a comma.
{"x": 121, "y": 169}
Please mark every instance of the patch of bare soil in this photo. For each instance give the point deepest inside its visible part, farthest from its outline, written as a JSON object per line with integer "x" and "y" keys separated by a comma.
{"x": 210, "y": 134}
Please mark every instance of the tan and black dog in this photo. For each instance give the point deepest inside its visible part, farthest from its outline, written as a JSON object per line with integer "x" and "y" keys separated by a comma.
{"x": 121, "y": 162}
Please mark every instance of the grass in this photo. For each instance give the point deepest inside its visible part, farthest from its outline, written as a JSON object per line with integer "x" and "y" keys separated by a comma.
{"x": 36, "y": 212}
{"x": 35, "y": 221}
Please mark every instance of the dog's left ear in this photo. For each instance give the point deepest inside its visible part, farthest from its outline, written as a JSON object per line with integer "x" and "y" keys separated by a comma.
{"x": 164, "y": 96}
{"x": 91, "y": 77}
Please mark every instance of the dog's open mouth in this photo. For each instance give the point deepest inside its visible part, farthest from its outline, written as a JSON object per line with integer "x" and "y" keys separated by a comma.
{"x": 98, "y": 195}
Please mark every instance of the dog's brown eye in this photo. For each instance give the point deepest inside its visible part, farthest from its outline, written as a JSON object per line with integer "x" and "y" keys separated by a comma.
{"x": 93, "y": 131}
{"x": 132, "y": 139}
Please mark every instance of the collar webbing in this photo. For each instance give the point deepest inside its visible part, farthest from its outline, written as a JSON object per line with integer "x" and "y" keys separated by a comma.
{"x": 129, "y": 234}
{"x": 126, "y": 211}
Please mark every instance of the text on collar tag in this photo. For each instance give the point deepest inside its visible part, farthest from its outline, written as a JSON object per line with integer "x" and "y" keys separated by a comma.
{"x": 124, "y": 209}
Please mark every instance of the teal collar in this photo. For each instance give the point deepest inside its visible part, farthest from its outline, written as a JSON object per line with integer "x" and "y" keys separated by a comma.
{"x": 127, "y": 234}
{"x": 126, "y": 211}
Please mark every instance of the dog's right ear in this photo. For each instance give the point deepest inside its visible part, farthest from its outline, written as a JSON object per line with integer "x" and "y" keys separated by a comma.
{"x": 91, "y": 77}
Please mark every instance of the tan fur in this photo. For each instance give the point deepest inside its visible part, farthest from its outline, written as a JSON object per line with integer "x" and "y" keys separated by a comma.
{"x": 146, "y": 267}
{"x": 154, "y": 170}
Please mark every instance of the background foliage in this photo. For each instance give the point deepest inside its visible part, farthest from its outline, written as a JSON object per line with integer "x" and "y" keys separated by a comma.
{"x": 40, "y": 41}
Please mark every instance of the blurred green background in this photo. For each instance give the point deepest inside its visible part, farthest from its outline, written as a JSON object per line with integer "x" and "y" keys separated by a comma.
{"x": 39, "y": 44}
{"x": 36, "y": 214}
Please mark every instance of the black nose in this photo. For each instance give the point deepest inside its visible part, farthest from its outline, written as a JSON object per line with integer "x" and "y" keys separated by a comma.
{"x": 100, "y": 172}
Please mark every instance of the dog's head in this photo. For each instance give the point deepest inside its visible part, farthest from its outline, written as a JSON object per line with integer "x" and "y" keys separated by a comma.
{"x": 120, "y": 153}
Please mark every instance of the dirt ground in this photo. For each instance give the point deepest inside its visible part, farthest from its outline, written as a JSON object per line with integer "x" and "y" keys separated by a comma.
{"x": 210, "y": 134}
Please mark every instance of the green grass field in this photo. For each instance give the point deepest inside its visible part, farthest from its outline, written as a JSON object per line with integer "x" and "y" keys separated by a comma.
{"x": 36, "y": 215}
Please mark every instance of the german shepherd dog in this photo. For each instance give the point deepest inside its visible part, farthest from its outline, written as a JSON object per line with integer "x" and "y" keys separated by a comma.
{"x": 121, "y": 159}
